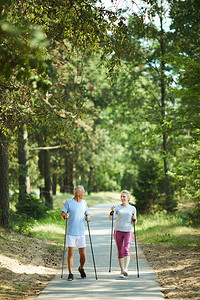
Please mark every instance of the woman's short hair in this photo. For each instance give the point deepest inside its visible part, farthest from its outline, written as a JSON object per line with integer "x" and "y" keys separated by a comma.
{"x": 127, "y": 193}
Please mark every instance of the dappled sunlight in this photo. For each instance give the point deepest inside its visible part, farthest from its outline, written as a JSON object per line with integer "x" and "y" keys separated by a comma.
{"x": 48, "y": 228}
{"x": 92, "y": 199}
{"x": 153, "y": 221}
{"x": 100, "y": 232}
{"x": 17, "y": 266}
{"x": 109, "y": 284}
{"x": 176, "y": 268}
{"x": 178, "y": 235}
{"x": 185, "y": 230}
{"x": 26, "y": 264}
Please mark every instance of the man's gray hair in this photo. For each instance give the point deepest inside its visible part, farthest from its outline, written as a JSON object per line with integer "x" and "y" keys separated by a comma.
{"x": 78, "y": 188}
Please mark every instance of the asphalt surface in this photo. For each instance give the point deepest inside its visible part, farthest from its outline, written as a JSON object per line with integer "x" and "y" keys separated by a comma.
{"x": 108, "y": 284}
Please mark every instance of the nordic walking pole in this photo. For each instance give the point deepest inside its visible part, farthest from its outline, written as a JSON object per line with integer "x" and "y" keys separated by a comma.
{"x": 136, "y": 250}
{"x": 92, "y": 250}
{"x": 111, "y": 238}
{"x": 64, "y": 249}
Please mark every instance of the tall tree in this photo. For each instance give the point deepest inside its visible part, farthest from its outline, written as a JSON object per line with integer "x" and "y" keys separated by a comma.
{"x": 24, "y": 183}
{"x": 162, "y": 40}
{"x": 185, "y": 38}
{"x": 20, "y": 54}
{"x": 25, "y": 63}
{"x": 4, "y": 180}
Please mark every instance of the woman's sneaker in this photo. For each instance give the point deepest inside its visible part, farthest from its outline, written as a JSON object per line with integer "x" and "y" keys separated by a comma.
{"x": 122, "y": 275}
{"x": 82, "y": 272}
{"x": 70, "y": 277}
{"x": 125, "y": 273}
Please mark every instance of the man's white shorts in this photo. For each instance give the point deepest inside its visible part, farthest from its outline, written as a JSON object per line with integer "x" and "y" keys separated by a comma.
{"x": 75, "y": 240}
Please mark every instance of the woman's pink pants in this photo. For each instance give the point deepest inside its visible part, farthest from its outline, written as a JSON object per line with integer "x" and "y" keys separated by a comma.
{"x": 123, "y": 241}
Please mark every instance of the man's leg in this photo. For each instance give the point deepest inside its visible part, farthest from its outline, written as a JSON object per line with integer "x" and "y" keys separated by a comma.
{"x": 70, "y": 255}
{"x": 82, "y": 253}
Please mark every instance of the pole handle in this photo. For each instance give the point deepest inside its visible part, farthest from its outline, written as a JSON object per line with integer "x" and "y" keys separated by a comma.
{"x": 133, "y": 220}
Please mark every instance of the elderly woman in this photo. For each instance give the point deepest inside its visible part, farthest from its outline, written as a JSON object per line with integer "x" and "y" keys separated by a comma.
{"x": 123, "y": 230}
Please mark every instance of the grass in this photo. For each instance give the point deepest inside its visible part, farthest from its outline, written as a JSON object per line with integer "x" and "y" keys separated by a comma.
{"x": 166, "y": 229}
{"x": 151, "y": 229}
{"x": 20, "y": 287}
{"x": 52, "y": 227}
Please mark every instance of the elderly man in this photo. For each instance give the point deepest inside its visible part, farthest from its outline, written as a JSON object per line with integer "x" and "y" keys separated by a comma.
{"x": 76, "y": 211}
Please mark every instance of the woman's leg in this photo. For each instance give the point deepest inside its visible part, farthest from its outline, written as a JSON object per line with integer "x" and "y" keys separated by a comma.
{"x": 121, "y": 264}
{"x": 127, "y": 245}
{"x": 119, "y": 239}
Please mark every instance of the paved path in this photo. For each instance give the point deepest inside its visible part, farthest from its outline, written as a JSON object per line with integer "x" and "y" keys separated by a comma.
{"x": 108, "y": 284}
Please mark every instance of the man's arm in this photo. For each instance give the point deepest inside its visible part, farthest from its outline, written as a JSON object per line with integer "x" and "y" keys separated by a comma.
{"x": 87, "y": 218}
{"x": 64, "y": 215}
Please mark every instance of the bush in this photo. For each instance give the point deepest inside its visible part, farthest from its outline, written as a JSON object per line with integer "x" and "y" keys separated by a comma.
{"x": 190, "y": 217}
{"x": 21, "y": 222}
{"x": 32, "y": 207}
{"x": 13, "y": 198}
{"x": 149, "y": 185}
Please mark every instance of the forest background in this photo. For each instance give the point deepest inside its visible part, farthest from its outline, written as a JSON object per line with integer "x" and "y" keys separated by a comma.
{"x": 108, "y": 99}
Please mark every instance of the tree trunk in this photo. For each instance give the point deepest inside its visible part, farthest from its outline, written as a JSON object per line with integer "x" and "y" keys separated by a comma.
{"x": 47, "y": 179}
{"x": 66, "y": 182}
{"x": 24, "y": 181}
{"x": 73, "y": 176}
{"x": 4, "y": 180}
{"x": 89, "y": 188}
{"x": 68, "y": 185}
{"x": 41, "y": 163}
{"x": 54, "y": 183}
{"x": 168, "y": 190}
{"x": 69, "y": 170}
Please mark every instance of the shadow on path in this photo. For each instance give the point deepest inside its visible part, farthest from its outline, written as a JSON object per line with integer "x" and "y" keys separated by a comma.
{"x": 108, "y": 284}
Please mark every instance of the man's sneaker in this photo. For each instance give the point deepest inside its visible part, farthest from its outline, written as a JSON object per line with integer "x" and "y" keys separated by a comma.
{"x": 122, "y": 275}
{"x": 70, "y": 277}
{"x": 82, "y": 272}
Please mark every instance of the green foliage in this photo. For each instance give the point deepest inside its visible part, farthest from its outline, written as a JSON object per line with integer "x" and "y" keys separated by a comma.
{"x": 127, "y": 181}
{"x": 13, "y": 198}
{"x": 191, "y": 217}
{"x": 148, "y": 186}
{"x": 111, "y": 135}
{"x": 159, "y": 227}
{"x": 21, "y": 222}
{"x": 32, "y": 206}
{"x": 23, "y": 55}
{"x": 165, "y": 228}
{"x": 52, "y": 226}
{"x": 91, "y": 199}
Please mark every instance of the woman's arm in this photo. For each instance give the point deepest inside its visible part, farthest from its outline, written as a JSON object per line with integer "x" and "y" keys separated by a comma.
{"x": 111, "y": 212}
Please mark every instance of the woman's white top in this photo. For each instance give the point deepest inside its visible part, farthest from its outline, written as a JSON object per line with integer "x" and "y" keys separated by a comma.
{"x": 124, "y": 217}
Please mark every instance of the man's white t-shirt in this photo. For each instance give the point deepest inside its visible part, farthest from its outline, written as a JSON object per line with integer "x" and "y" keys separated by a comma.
{"x": 77, "y": 212}
{"x": 124, "y": 217}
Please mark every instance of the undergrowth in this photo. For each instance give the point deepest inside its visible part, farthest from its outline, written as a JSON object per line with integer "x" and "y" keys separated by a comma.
{"x": 158, "y": 227}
